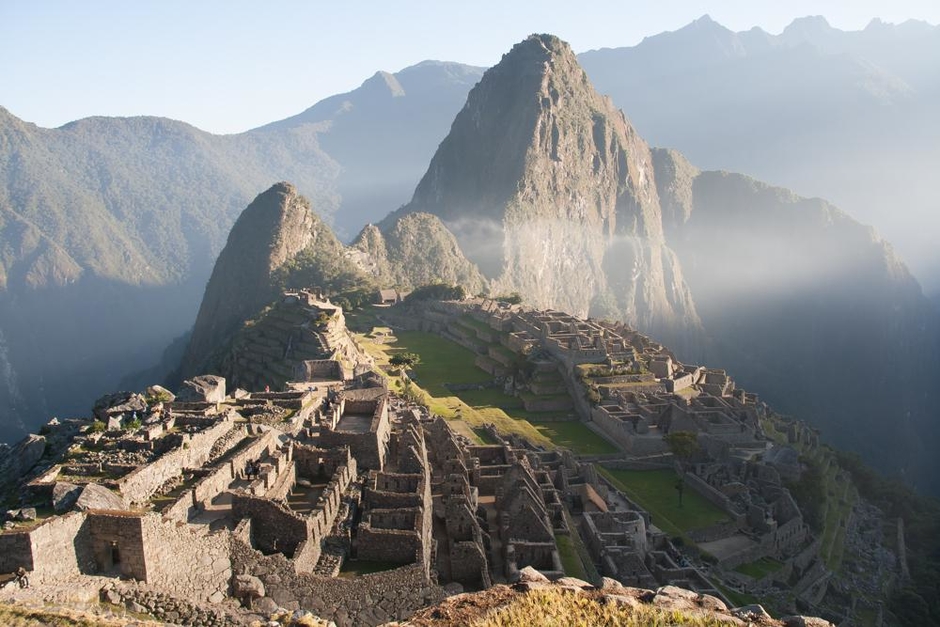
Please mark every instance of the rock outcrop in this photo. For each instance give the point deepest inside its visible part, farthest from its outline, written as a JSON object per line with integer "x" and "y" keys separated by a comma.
{"x": 202, "y": 389}
{"x": 276, "y": 235}
{"x": 550, "y": 190}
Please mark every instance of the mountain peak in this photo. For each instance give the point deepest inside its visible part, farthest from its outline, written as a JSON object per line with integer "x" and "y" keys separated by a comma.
{"x": 384, "y": 82}
{"x": 270, "y": 232}
{"x": 548, "y": 187}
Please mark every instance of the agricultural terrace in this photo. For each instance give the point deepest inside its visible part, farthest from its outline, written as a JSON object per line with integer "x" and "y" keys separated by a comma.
{"x": 655, "y": 491}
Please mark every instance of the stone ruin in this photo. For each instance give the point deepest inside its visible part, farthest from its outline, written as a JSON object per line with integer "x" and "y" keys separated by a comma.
{"x": 335, "y": 496}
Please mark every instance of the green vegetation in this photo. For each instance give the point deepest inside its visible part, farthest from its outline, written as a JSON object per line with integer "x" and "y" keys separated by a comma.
{"x": 405, "y": 359}
{"x": 511, "y": 299}
{"x": 655, "y": 491}
{"x": 918, "y": 601}
{"x": 577, "y": 543}
{"x": 442, "y": 361}
{"x": 97, "y": 427}
{"x": 357, "y": 568}
{"x": 683, "y": 444}
{"x": 437, "y": 291}
{"x": 576, "y": 436}
{"x": 570, "y": 559}
{"x": 760, "y": 568}
{"x": 556, "y": 608}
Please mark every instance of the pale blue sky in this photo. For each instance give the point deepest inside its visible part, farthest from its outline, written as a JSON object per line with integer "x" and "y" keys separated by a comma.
{"x": 227, "y": 66}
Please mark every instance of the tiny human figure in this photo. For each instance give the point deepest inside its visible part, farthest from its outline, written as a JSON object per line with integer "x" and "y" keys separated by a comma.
{"x": 22, "y": 578}
{"x": 267, "y": 389}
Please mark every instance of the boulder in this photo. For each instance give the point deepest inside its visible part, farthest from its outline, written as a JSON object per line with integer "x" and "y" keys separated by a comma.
{"x": 64, "y": 495}
{"x": 115, "y": 422}
{"x": 805, "y": 621}
{"x": 26, "y": 514}
{"x": 751, "y": 613}
{"x": 574, "y": 582}
{"x": 530, "y": 575}
{"x": 610, "y": 585}
{"x": 266, "y": 605}
{"x": 19, "y": 459}
{"x": 119, "y": 403}
{"x": 96, "y": 496}
{"x": 453, "y": 588}
{"x": 622, "y": 600}
{"x": 248, "y": 586}
{"x": 206, "y": 388}
{"x": 674, "y": 598}
{"x": 160, "y": 394}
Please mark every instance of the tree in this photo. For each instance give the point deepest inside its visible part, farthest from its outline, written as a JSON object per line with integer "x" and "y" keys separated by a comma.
{"x": 683, "y": 444}
{"x": 405, "y": 359}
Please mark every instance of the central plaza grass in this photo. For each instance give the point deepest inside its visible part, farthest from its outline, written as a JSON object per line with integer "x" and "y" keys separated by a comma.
{"x": 576, "y": 436}
{"x": 443, "y": 362}
{"x": 655, "y": 491}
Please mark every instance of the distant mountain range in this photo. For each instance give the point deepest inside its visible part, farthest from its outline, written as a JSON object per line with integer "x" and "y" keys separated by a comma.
{"x": 109, "y": 227}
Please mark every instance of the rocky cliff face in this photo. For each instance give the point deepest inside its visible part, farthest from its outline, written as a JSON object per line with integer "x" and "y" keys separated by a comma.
{"x": 270, "y": 234}
{"x": 417, "y": 249}
{"x": 550, "y": 191}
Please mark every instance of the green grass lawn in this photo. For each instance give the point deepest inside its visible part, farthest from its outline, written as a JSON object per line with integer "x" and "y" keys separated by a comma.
{"x": 576, "y": 436}
{"x": 442, "y": 361}
{"x": 570, "y": 560}
{"x": 760, "y": 568}
{"x": 655, "y": 491}
{"x": 489, "y": 397}
{"x": 357, "y": 568}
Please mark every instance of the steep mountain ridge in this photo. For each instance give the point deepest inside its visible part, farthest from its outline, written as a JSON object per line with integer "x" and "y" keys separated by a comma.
{"x": 549, "y": 190}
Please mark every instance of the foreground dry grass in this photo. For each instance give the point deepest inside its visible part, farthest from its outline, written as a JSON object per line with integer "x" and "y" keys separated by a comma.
{"x": 558, "y": 608}
{"x": 505, "y": 606}
{"x": 19, "y": 616}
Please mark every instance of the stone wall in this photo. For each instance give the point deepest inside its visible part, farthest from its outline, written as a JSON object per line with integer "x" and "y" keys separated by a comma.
{"x": 58, "y": 548}
{"x": 117, "y": 543}
{"x": 219, "y": 479}
{"x": 274, "y": 528}
{"x": 187, "y": 560}
{"x": 368, "y": 600}
{"x": 174, "y": 610}
{"x": 139, "y": 485}
{"x": 16, "y": 550}
{"x": 715, "y": 497}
